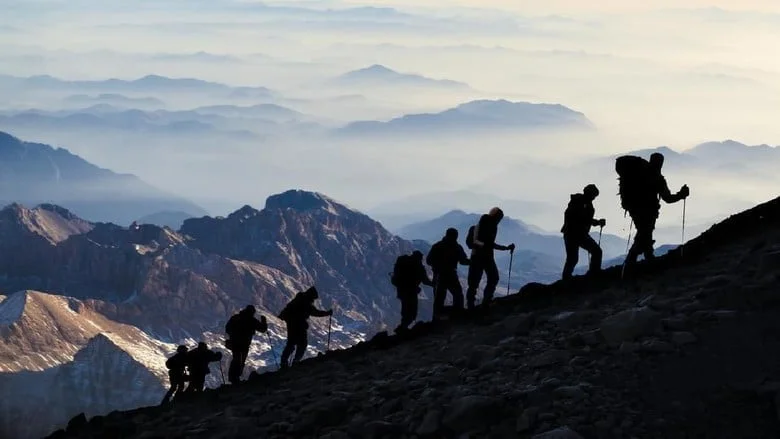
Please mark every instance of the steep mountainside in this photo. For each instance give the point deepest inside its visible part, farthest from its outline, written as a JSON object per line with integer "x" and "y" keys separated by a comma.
{"x": 685, "y": 346}
{"x": 33, "y": 173}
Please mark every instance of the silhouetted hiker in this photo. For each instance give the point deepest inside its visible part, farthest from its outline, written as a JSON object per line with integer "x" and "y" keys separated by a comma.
{"x": 240, "y": 329}
{"x": 176, "y": 365}
{"x": 641, "y": 187}
{"x": 444, "y": 258}
{"x": 577, "y": 221}
{"x": 198, "y": 364}
{"x": 408, "y": 273}
{"x": 296, "y": 314}
{"x": 482, "y": 242}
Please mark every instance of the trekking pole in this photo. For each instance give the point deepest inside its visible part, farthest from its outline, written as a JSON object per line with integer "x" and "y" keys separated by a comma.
{"x": 623, "y": 270}
{"x": 273, "y": 352}
{"x": 330, "y": 325}
{"x": 509, "y": 275}
{"x": 682, "y": 241}
{"x": 221, "y": 372}
{"x": 601, "y": 229}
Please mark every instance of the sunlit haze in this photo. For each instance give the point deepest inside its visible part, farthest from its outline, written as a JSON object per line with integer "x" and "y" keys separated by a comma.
{"x": 644, "y": 74}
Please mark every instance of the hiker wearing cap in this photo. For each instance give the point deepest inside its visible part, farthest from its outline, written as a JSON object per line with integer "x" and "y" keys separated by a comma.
{"x": 176, "y": 365}
{"x": 482, "y": 242}
{"x": 443, "y": 259}
{"x": 296, "y": 314}
{"x": 577, "y": 221}
{"x": 240, "y": 329}
{"x": 408, "y": 273}
{"x": 642, "y": 186}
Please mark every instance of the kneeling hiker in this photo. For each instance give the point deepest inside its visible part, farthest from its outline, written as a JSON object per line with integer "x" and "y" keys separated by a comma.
{"x": 296, "y": 315}
{"x": 641, "y": 187}
{"x": 408, "y": 273}
{"x": 198, "y": 364}
{"x": 176, "y": 365}
{"x": 444, "y": 258}
{"x": 577, "y": 221}
{"x": 241, "y": 328}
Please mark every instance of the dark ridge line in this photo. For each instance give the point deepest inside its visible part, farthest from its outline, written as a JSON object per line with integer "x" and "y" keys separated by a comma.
{"x": 531, "y": 297}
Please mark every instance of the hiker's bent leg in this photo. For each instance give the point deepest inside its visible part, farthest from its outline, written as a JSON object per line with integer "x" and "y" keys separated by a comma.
{"x": 572, "y": 247}
{"x": 474, "y": 277}
{"x": 288, "y": 348}
{"x": 590, "y": 245}
{"x": 453, "y": 284}
{"x": 235, "y": 368}
{"x": 439, "y": 293}
{"x": 301, "y": 343}
{"x": 491, "y": 270}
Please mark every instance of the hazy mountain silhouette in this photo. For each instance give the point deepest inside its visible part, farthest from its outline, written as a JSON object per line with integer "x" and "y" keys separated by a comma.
{"x": 381, "y": 76}
{"x": 33, "y": 173}
{"x": 146, "y": 84}
{"x": 476, "y": 116}
{"x": 114, "y": 99}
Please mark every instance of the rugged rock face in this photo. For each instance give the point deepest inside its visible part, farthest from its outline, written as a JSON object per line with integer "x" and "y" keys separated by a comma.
{"x": 686, "y": 346}
{"x": 319, "y": 242}
{"x": 157, "y": 288}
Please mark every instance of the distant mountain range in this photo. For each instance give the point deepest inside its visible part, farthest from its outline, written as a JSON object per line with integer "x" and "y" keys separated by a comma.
{"x": 475, "y": 116}
{"x": 114, "y": 99}
{"x": 33, "y": 173}
{"x": 381, "y": 76}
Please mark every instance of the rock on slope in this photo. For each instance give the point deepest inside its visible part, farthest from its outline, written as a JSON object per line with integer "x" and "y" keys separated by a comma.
{"x": 687, "y": 347}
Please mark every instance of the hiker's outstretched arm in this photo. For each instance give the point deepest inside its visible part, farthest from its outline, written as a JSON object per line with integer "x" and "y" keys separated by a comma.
{"x": 463, "y": 259}
{"x": 319, "y": 313}
{"x": 666, "y": 194}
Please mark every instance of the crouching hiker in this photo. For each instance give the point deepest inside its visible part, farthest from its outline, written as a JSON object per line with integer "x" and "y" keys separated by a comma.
{"x": 296, "y": 315}
{"x": 198, "y": 364}
{"x": 176, "y": 374}
{"x": 408, "y": 273}
{"x": 240, "y": 329}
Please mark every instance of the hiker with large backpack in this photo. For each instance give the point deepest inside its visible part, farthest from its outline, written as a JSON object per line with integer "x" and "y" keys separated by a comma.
{"x": 408, "y": 273}
{"x": 240, "y": 329}
{"x": 443, "y": 258}
{"x": 642, "y": 186}
{"x": 178, "y": 377}
{"x": 481, "y": 239}
{"x": 296, "y": 315}
{"x": 577, "y": 221}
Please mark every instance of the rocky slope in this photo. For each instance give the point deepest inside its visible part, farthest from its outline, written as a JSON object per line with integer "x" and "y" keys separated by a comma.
{"x": 685, "y": 346}
{"x": 148, "y": 289}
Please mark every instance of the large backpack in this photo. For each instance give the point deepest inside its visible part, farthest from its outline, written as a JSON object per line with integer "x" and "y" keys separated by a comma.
{"x": 633, "y": 174}
{"x": 470, "y": 237}
{"x": 402, "y": 271}
{"x": 230, "y": 326}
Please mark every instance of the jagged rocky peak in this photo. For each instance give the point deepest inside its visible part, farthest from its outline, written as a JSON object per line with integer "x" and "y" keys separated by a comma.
{"x": 244, "y": 213}
{"x": 304, "y": 201}
{"x": 54, "y": 223}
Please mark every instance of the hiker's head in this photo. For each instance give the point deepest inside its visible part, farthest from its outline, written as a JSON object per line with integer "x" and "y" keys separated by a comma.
{"x": 181, "y": 349}
{"x": 591, "y": 191}
{"x": 451, "y": 234}
{"x": 497, "y": 214}
{"x": 417, "y": 255}
{"x": 249, "y": 309}
{"x": 657, "y": 160}
{"x": 312, "y": 293}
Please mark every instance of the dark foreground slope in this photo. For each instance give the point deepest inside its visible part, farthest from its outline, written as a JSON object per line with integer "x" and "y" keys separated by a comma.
{"x": 688, "y": 348}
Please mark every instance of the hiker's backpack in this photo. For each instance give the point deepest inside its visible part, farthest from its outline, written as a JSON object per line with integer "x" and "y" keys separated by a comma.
{"x": 291, "y": 308}
{"x": 230, "y": 326}
{"x": 470, "y": 237}
{"x": 402, "y": 270}
{"x": 633, "y": 174}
